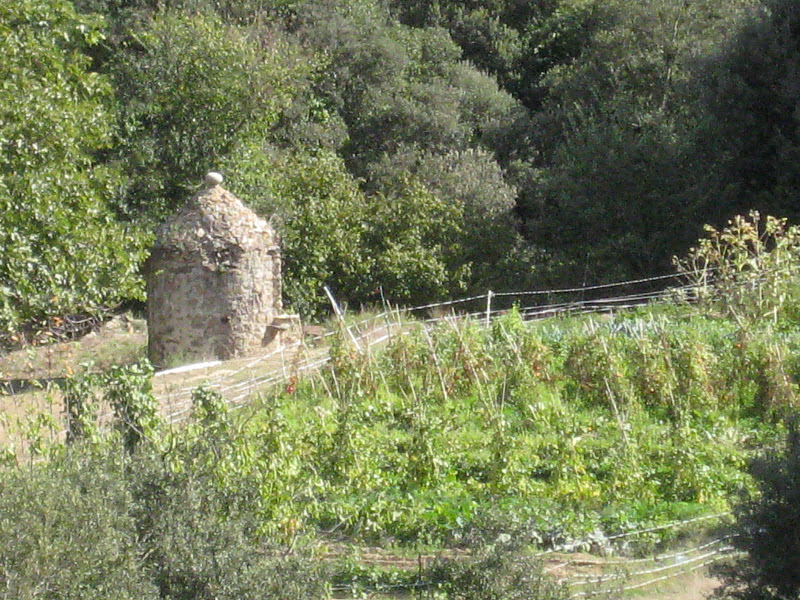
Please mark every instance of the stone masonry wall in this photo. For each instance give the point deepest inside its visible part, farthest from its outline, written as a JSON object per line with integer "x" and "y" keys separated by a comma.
{"x": 213, "y": 282}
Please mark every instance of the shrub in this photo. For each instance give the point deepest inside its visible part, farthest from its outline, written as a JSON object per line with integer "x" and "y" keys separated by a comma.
{"x": 203, "y": 540}
{"x": 766, "y": 528}
{"x": 748, "y": 268}
{"x": 129, "y": 390}
{"x": 66, "y": 533}
{"x": 80, "y": 406}
{"x": 97, "y": 523}
{"x": 497, "y": 572}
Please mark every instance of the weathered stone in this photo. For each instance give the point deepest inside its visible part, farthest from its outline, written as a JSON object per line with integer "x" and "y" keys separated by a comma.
{"x": 213, "y": 282}
{"x": 213, "y": 178}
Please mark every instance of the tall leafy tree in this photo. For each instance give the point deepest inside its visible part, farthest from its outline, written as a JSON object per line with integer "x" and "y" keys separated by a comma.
{"x": 517, "y": 42}
{"x": 63, "y": 250}
{"x": 190, "y": 87}
{"x": 414, "y": 111}
{"x": 336, "y": 234}
{"x": 618, "y": 180}
{"x": 319, "y": 211}
{"x": 752, "y": 135}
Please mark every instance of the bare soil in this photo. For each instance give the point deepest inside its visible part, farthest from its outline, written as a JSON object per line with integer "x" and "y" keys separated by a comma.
{"x": 694, "y": 586}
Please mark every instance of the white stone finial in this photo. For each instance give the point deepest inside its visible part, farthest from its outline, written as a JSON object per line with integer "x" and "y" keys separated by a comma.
{"x": 213, "y": 178}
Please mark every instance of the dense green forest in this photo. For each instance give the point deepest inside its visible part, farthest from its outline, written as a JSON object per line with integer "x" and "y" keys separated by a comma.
{"x": 425, "y": 147}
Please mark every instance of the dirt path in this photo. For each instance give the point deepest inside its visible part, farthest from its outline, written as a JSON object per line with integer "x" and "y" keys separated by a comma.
{"x": 695, "y": 586}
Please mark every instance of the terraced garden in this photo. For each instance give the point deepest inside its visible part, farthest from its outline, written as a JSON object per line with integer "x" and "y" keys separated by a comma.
{"x": 569, "y": 456}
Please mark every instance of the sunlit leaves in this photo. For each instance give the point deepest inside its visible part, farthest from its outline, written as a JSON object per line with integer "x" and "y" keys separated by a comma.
{"x": 62, "y": 249}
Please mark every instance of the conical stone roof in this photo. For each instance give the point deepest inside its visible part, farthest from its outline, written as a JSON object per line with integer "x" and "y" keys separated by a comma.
{"x": 214, "y": 227}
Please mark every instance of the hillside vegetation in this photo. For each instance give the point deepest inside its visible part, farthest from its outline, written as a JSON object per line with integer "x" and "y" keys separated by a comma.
{"x": 484, "y": 443}
{"x": 407, "y": 151}
{"x": 424, "y": 148}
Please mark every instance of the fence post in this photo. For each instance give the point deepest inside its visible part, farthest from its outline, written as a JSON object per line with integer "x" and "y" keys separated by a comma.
{"x": 340, "y": 316}
{"x": 488, "y": 306}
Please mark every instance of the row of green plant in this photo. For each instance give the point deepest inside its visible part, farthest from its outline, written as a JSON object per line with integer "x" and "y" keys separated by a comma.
{"x": 599, "y": 426}
{"x": 185, "y": 515}
{"x": 564, "y": 429}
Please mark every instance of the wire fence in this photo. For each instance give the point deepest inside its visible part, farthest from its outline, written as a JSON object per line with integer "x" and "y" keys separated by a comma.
{"x": 628, "y": 573}
{"x": 575, "y": 545}
{"x": 238, "y": 387}
{"x": 379, "y": 328}
{"x": 251, "y": 378}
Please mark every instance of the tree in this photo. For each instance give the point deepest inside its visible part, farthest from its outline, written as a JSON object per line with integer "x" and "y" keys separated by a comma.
{"x": 63, "y": 249}
{"x": 620, "y": 182}
{"x": 191, "y": 87}
{"x": 416, "y": 240}
{"x": 472, "y": 182}
{"x": 767, "y": 524}
{"x": 416, "y": 114}
{"x": 752, "y": 130}
{"x": 516, "y": 42}
{"x": 334, "y": 233}
{"x": 201, "y": 539}
{"x": 319, "y": 211}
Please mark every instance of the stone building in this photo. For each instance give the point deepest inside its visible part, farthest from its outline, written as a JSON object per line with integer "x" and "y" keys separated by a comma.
{"x": 213, "y": 282}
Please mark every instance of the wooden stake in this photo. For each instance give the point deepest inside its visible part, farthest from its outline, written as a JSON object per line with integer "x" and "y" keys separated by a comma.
{"x": 340, "y": 316}
{"x": 436, "y": 362}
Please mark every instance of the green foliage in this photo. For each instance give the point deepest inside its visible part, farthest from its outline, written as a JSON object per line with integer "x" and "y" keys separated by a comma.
{"x": 63, "y": 251}
{"x": 66, "y": 532}
{"x": 566, "y": 432}
{"x": 190, "y": 87}
{"x": 129, "y": 391}
{"x": 620, "y": 186}
{"x": 320, "y": 213}
{"x": 748, "y": 268}
{"x": 209, "y": 408}
{"x": 517, "y": 43}
{"x": 398, "y": 88}
{"x": 204, "y": 542}
{"x": 619, "y": 162}
{"x": 415, "y": 238}
{"x": 96, "y": 523}
{"x": 498, "y": 572}
{"x": 80, "y": 406}
{"x": 519, "y": 435}
{"x": 413, "y": 111}
{"x": 751, "y": 130}
{"x": 633, "y": 133}
{"x": 571, "y": 139}
{"x": 768, "y": 569}
{"x": 335, "y": 234}
{"x": 486, "y": 242}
